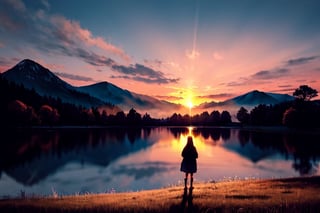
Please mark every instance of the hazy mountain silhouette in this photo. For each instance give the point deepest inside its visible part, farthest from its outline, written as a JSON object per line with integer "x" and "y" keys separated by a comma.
{"x": 252, "y": 98}
{"x": 34, "y": 76}
{"x": 125, "y": 99}
{"x": 43, "y": 81}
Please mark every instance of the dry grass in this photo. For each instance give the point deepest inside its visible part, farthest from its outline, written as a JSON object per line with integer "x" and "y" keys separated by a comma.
{"x": 278, "y": 195}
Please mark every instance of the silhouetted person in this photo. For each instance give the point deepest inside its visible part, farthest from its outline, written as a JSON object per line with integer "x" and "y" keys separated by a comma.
{"x": 189, "y": 162}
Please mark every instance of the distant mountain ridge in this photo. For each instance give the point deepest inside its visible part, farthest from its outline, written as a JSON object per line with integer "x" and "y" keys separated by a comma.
{"x": 123, "y": 98}
{"x": 252, "y": 98}
{"x": 34, "y": 76}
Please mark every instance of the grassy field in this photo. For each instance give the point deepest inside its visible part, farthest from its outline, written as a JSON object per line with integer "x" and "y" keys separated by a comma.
{"x": 276, "y": 195}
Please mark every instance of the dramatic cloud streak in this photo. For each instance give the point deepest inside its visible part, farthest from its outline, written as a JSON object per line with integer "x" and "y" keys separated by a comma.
{"x": 299, "y": 61}
{"x": 169, "y": 97}
{"x": 217, "y": 96}
{"x": 74, "y": 77}
{"x": 142, "y": 73}
{"x": 70, "y": 33}
{"x": 271, "y": 74}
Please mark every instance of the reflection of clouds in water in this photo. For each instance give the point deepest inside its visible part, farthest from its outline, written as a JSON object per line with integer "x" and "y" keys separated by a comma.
{"x": 143, "y": 170}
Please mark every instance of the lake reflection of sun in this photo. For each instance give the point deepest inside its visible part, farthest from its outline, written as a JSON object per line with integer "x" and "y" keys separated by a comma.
{"x": 179, "y": 143}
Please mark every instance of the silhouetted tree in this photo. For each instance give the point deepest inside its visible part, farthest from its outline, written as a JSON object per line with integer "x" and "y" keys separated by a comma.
{"x": 146, "y": 119}
{"x": 305, "y": 93}
{"x": 205, "y": 118}
{"x": 96, "y": 114}
{"x": 120, "y": 118}
{"x": 225, "y": 117}
{"x": 243, "y": 115}
{"x": 258, "y": 115}
{"x": 186, "y": 120}
{"x": 215, "y": 117}
{"x": 87, "y": 117}
{"x": 175, "y": 119}
{"x": 133, "y": 117}
{"x": 104, "y": 117}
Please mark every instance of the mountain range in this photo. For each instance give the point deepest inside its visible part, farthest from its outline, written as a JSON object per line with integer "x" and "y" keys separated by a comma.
{"x": 252, "y": 98}
{"x": 32, "y": 75}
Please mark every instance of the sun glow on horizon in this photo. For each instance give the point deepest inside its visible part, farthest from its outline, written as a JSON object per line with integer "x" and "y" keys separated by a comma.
{"x": 188, "y": 99}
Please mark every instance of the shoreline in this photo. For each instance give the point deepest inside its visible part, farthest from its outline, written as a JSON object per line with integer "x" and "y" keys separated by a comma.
{"x": 294, "y": 194}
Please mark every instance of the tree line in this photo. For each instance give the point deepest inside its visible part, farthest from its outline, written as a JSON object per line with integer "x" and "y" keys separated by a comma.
{"x": 301, "y": 112}
{"x": 25, "y": 107}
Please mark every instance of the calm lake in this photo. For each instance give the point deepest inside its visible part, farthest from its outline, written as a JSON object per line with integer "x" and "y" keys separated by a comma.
{"x": 96, "y": 160}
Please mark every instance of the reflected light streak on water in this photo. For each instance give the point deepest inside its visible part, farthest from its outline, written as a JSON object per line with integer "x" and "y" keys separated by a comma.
{"x": 123, "y": 160}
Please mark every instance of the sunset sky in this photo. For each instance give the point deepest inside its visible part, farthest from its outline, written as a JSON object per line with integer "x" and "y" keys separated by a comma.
{"x": 181, "y": 51}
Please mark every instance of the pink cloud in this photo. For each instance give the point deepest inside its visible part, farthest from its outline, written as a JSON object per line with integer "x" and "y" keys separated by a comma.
{"x": 73, "y": 34}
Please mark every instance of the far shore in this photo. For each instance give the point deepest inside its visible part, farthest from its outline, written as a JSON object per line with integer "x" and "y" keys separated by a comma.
{"x": 299, "y": 194}
{"x": 280, "y": 129}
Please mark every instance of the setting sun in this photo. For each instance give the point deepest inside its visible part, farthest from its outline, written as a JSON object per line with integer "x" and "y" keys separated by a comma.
{"x": 189, "y": 99}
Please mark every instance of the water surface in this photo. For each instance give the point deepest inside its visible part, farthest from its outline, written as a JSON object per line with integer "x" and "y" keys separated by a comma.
{"x": 96, "y": 160}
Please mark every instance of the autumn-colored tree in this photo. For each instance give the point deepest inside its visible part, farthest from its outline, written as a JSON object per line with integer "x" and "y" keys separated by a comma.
{"x": 290, "y": 117}
{"x": 48, "y": 115}
{"x": 21, "y": 114}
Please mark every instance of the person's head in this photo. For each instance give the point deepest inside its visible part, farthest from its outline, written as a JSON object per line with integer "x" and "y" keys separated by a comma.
{"x": 190, "y": 141}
